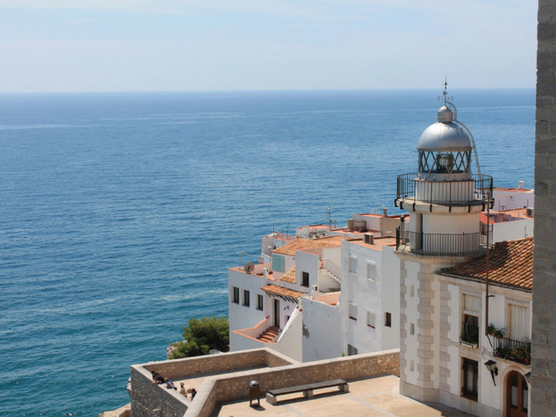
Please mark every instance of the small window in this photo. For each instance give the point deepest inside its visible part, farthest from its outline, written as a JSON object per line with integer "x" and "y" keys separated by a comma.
{"x": 235, "y": 295}
{"x": 470, "y": 371}
{"x": 352, "y": 311}
{"x": 260, "y": 301}
{"x": 411, "y": 365}
{"x": 353, "y": 265}
{"x": 371, "y": 271}
{"x": 470, "y": 329}
{"x": 371, "y": 319}
{"x": 246, "y": 298}
{"x": 411, "y": 290}
{"x": 305, "y": 277}
{"x": 352, "y": 350}
{"x": 411, "y": 328}
{"x": 388, "y": 319}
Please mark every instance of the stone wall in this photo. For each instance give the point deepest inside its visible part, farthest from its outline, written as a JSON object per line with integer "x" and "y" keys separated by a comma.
{"x": 147, "y": 397}
{"x": 543, "y": 391}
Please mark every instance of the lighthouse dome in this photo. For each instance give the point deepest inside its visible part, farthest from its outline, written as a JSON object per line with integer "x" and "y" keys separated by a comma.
{"x": 444, "y": 136}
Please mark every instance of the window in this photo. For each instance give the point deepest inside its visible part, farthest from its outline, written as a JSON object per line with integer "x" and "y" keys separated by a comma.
{"x": 305, "y": 277}
{"x": 470, "y": 329}
{"x": 388, "y": 319}
{"x": 411, "y": 290}
{"x": 246, "y": 298}
{"x": 371, "y": 271}
{"x": 519, "y": 322}
{"x": 411, "y": 365}
{"x": 352, "y": 311}
{"x": 260, "y": 301}
{"x": 235, "y": 295}
{"x": 411, "y": 328}
{"x": 278, "y": 263}
{"x": 470, "y": 325}
{"x": 353, "y": 265}
{"x": 470, "y": 371}
{"x": 371, "y": 319}
{"x": 352, "y": 350}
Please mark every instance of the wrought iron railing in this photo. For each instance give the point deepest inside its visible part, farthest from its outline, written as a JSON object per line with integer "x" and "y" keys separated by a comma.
{"x": 439, "y": 244}
{"x": 411, "y": 188}
{"x": 512, "y": 350}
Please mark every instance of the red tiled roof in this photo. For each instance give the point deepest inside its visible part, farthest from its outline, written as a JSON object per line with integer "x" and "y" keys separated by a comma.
{"x": 511, "y": 264}
{"x": 275, "y": 289}
{"x": 308, "y": 244}
{"x": 289, "y": 276}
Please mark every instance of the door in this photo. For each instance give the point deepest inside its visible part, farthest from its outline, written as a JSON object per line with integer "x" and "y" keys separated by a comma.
{"x": 517, "y": 395}
{"x": 277, "y": 312}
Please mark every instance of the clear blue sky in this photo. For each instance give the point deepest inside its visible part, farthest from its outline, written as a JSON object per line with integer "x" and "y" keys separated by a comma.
{"x": 176, "y": 45}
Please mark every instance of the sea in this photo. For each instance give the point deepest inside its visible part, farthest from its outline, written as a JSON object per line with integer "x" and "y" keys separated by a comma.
{"x": 121, "y": 212}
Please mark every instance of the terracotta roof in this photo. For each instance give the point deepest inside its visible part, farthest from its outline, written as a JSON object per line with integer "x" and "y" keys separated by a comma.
{"x": 276, "y": 290}
{"x": 289, "y": 276}
{"x": 308, "y": 244}
{"x": 511, "y": 264}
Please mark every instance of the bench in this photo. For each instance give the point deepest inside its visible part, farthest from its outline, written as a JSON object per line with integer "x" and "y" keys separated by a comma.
{"x": 307, "y": 389}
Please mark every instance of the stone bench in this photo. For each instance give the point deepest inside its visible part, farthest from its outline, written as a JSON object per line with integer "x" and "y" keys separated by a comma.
{"x": 307, "y": 389}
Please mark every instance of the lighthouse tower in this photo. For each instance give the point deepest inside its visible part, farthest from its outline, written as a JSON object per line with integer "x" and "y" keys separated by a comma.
{"x": 445, "y": 200}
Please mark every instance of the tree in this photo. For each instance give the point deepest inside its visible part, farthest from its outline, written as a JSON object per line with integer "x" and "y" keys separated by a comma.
{"x": 203, "y": 335}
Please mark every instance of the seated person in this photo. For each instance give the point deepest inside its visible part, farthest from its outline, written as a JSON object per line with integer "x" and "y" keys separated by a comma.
{"x": 170, "y": 384}
{"x": 157, "y": 378}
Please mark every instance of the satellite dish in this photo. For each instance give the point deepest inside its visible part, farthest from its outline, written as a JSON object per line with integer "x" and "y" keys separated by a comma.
{"x": 249, "y": 266}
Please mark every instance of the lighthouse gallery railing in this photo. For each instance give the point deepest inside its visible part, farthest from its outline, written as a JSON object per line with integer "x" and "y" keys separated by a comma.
{"x": 477, "y": 189}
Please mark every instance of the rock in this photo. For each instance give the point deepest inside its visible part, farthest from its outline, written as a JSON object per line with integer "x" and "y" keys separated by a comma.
{"x": 124, "y": 411}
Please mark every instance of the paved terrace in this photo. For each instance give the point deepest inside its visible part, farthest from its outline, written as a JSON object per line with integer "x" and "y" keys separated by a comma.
{"x": 372, "y": 397}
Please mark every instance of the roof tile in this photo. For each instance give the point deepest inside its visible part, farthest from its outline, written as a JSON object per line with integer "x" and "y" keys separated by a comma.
{"x": 510, "y": 264}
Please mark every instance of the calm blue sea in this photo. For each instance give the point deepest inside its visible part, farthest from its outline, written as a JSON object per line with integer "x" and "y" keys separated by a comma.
{"x": 119, "y": 213}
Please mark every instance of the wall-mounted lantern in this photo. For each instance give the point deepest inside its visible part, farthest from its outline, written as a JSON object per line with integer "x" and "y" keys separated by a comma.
{"x": 493, "y": 369}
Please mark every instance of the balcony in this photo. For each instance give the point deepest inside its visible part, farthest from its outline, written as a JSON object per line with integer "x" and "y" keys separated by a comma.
{"x": 439, "y": 244}
{"x": 472, "y": 192}
{"x": 512, "y": 350}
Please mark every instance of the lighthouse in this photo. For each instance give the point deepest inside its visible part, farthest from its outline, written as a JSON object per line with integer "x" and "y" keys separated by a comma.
{"x": 444, "y": 199}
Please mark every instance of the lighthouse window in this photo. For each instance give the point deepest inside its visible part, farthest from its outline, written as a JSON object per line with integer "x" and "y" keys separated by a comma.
{"x": 444, "y": 162}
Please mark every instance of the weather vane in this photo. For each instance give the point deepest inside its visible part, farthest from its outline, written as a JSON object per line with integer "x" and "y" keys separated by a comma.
{"x": 445, "y": 97}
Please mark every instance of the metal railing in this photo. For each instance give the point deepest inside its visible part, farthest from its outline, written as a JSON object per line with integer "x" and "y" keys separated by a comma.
{"x": 512, "y": 350}
{"x": 439, "y": 244}
{"x": 446, "y": 192}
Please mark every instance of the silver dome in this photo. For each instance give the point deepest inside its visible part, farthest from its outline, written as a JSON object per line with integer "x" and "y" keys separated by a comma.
{"x": 444, "y": 137}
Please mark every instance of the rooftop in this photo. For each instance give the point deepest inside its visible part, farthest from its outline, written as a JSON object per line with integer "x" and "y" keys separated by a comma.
{"x": 285, "y": 292}
{"x": 305, "y": 245}
{"x": 289, "y": 276}
{"x": 510, "y": 265}
{"x": 375, "y": 396}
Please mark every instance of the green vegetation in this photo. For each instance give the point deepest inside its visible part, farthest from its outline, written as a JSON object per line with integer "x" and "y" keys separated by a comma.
{"x": 203, "y": 335}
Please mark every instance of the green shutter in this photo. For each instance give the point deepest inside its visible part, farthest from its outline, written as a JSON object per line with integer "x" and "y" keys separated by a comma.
{"x": 278, "y": 263}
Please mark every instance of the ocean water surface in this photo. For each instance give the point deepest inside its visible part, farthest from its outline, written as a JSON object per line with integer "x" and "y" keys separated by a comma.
{"x": 120, "y": 213}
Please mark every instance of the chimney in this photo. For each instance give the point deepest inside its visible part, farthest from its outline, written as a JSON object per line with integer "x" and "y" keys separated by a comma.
{"x": 521, "y": 184}
{"x": 385, "y": 212}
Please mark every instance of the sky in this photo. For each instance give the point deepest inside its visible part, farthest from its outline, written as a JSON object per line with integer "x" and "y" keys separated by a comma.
{"x": 190, "y": 45}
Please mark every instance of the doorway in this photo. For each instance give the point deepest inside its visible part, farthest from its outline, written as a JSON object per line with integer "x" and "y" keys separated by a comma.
{"x": 277, "y": 312}
{"x": 517, "y": 395}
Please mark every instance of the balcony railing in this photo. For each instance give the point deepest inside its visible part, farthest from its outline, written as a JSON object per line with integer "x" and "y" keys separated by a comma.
{"x": 476, "y": 190}
{"x": 439, "y": 244}
{"x": 512, "y": 350}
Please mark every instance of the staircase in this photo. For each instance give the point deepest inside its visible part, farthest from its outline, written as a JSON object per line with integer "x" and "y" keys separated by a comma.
{"x": 269, "y": 335}
{"x": 332, "y": 275}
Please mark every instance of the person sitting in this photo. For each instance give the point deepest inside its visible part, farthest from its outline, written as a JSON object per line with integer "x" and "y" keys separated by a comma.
{"x": 170, "y": 384}
{"x": 157, "y": 378}
{"x": 183, "y": 391}
{"x": 193, "y": 393}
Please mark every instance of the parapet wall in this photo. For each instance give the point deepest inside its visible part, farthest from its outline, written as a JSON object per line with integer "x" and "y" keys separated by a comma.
{"x": 147, "y": 397}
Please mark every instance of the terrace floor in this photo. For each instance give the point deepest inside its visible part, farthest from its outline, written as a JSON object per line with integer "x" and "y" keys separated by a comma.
{"x": 372, "y": 397}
